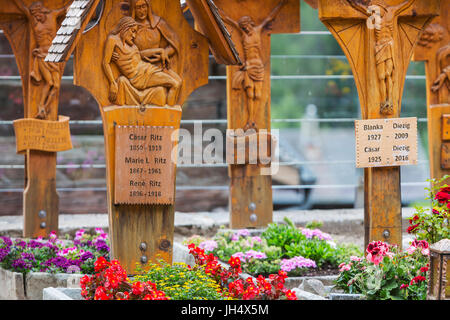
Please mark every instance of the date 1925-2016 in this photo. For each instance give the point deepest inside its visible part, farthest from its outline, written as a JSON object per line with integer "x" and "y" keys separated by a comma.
{"x": 226, "y": 310}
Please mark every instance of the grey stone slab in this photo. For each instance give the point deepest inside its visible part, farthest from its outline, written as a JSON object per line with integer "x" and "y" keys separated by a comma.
{"x": 61, "y": 294}
{"x": 314, "y": 286}
{"x": 181, "y": 254}
{"x": 36, "y": 282}
{"x": 304, "y": 295}
{"x": 11, "y": 285}
{"x": 345, "y": 296}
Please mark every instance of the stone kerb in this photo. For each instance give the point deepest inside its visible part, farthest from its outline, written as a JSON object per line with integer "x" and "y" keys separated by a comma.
{"x": 17, "y": 286}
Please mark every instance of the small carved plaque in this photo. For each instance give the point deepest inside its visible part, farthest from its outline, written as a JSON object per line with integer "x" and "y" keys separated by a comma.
{"x": 445, "y": 155}
{"x": 43, "y": 135}
{"x": 250, "y": 147}
{"x": 446, "y": 127}
{"x": 144, "y": 170}
{"x": 386, "y": 142}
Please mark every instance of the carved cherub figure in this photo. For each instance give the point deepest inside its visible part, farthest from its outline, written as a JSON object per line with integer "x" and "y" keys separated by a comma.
{"x": 384, "y": 18}
{"x": 44, "y": 24}
{"x": 250, "y": 77}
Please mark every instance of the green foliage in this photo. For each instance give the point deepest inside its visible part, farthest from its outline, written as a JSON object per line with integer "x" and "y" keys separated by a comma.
{"x": 432, "y": 224}
{"x": 314, "y": 224}
{"x": 319, "y": 251}
{"x": 400, "y": 276}
{"x": 282, "y": 235}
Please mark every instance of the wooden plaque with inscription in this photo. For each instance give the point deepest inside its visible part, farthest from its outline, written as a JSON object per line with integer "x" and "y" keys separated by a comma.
{"x": 386, "y": 142}
{"x": 49, "y": 136}
{"x": 145, "y": 171}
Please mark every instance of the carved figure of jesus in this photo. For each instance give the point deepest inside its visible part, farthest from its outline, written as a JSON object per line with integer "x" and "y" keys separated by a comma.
{"x": 44, "y": 24}
{"x": 385, "y": 17}
{"x": 250, "y": 77}
{"x": 140, "y": 82}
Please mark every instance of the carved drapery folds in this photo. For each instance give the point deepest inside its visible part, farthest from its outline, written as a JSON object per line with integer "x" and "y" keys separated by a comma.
{"x": 140, "y": 59}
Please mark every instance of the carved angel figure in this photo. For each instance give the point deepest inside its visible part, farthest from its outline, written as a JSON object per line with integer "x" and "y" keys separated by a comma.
{"x": 44, "y": 24}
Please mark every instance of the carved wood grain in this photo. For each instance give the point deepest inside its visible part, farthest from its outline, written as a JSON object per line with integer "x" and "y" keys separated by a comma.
{"x": 40, "y": 187}
{"x": 247, "y": 185}
{"x": 132, "y": 224}
{"x": 347, "y": 20}
{"x": 433, "y": 40}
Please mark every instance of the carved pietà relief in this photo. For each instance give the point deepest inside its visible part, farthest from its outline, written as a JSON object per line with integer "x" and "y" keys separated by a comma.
{"x": 143, "y": 49}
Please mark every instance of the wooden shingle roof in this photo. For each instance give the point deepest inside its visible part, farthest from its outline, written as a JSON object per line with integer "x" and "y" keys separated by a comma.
{"x": 77, "y": 18}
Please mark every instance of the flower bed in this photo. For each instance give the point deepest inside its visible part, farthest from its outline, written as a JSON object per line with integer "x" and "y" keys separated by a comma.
{"x": 387, "y": 273}
{"x": 296, "y": 251}
{"x": 27, "y": 266}
{"x": 206, "y": 280}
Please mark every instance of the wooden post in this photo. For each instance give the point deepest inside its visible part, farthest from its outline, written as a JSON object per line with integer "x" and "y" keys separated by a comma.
{"x": 30, "y": 27}
{"x": 141, "y": 61}
{"x": 434, "y": 49}
{"x": 251, "y": 23}
{"x": 378, "y": 38}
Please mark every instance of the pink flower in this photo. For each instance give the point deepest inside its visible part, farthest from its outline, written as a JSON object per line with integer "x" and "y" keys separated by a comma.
{"x": 208, "y": 245}
{"x": 296, "y": 262}
{"x": 375, "y": 259}
{"x": 239, "y": 255}
{"x": 345, "y": 267}
{"x": 419, "y": 244}
{"x": 252, "y": 254}
{"x": 309, "y": 233}
{"x": 355, "y": 258}
{"x": 376, "y": 251}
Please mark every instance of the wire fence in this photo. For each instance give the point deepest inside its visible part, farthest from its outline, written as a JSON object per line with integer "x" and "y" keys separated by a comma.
{"x": 4, "y": 79}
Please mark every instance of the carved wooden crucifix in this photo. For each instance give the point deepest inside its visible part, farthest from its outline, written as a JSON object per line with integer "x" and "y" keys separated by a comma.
{"x": 251, "y": 23}
{"x": 141, "y": 61}
{"x": 30, "y": 27}
{"x": 434, "y": 49}
{"x": 378, "y": 37}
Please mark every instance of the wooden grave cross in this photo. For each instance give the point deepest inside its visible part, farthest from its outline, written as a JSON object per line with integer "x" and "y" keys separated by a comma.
{"x": 140, "y": 61}
{"x": 378, "y": 38}
{"x": 434, "y": 49}
{"x": 251, "y": 22}
{"x": 30, "y": 27}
